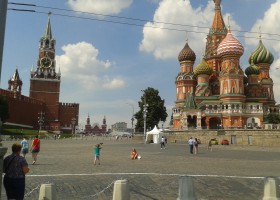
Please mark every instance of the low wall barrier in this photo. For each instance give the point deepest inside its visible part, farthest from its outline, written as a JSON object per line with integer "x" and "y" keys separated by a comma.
{"x": 121, "y": 190}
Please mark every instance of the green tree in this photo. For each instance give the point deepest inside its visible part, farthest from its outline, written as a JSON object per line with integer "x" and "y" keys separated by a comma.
{"x": 273, "y": 118}
{"x": 4, "y": 109}
{"x": 156, "y": 111}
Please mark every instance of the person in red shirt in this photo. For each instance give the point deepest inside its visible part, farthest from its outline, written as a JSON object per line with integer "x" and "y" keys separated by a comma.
{"x": 134, "y": 154}
{"x": 35, "y": 148}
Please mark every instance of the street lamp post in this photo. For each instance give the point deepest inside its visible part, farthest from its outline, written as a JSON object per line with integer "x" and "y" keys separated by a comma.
{"x": 73, "y": 122}
{"x": 40, "y": 121}
{"x": 145, "y": 110}
{"x": 132, "y": 118}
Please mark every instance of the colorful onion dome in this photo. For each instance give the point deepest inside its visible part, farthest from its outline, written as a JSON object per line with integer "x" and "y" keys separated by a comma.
{"x": 261, "y": 55}
{"x": 203, "y": 68}
{"x": 186, "y": 54}
{"x": 252, "y": 70}
{"x": 230, "y": 46}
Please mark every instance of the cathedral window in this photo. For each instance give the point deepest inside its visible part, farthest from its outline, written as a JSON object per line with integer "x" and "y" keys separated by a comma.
{"x": 225, "y": 90}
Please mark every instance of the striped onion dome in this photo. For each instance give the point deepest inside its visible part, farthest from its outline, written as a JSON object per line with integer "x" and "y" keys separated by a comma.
{"x": 252, "y": 70}
{"x": 186, "y": 54}
{"x": 203, "y": 68}
{"x": 261, "y": 55}
{"x": 230, "y": 46}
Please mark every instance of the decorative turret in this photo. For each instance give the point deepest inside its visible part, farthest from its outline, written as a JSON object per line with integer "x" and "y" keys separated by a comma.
{"x": 218, "y": 25}
{"x": 261, "y": 55}
{"x": 203, "y": 71}
{"x": 185, "y": 80}
{"x": 88, "y": 119}
{"x": 203, "y": 68}
{"x": 186, "y": 54}
{"x": 252, "y": 70}
{"x": 15, "y": 84}
{"x": 230, "y": 46}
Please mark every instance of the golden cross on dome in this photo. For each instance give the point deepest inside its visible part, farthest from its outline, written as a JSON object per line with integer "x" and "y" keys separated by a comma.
{"x": 187, "y": 36}
{"x": 260, "y": 32}
{"x": 228, "y": 23}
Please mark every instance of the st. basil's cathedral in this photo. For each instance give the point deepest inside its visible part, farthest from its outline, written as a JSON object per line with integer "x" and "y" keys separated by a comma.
{"x": 216, "y": 93}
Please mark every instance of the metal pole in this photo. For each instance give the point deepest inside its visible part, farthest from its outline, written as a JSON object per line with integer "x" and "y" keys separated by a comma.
{"x": 145, "y": 114}
{"x": 3, "y": 16}
{"x": 132, "y": 118}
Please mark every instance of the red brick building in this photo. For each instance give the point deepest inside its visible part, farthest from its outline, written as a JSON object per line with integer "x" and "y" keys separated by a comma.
{"x": 43, "y": 95}
{"x": 95, "y": 129}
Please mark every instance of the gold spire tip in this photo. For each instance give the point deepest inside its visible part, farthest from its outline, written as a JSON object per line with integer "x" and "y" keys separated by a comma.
{"x": 260, "y": 33}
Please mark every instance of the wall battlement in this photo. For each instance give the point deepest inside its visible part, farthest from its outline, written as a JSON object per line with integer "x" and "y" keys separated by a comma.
{"x": 22, "y": 98}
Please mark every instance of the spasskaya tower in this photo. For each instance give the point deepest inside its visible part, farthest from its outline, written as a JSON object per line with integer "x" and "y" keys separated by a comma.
{"x": 45, "y": 81}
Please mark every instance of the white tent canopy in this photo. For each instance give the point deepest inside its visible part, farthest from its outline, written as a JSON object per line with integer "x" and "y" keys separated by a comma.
{"x": 154, "y": 135}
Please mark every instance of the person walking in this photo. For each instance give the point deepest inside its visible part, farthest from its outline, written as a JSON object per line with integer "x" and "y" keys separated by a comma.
{"x": 162, "y": 144}
{"x": 15, "y": 167}
{"x": 97, "y": 153}
{"x": 35, "y": 148}
{"x": 210, "y": 145}
{"x": 25, "y": 147}
{"x": 195, "y": 145}
{"x": 190, "y": 142}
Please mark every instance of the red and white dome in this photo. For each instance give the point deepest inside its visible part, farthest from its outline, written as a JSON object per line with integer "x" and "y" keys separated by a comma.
{"x": 230, "y": 46}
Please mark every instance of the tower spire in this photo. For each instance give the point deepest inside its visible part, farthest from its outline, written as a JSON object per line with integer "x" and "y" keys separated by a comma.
{"x": 218, "y": 25}
{"x": 48, "y": 31}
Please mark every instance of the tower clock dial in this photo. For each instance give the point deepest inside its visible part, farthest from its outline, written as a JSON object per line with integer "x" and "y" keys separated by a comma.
{"x": 45, "y": 62}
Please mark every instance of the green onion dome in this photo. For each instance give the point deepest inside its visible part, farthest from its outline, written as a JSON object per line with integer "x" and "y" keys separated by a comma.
{"x": 252, "y": 70}
{"x": 186, "y": 54}
{"x": 203, "y": 68}
{"x": 261, "y": 55}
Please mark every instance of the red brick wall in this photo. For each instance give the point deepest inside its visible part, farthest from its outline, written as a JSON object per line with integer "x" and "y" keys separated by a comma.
{"x": 67, "y": 112}
{"x": 23, "y": 110}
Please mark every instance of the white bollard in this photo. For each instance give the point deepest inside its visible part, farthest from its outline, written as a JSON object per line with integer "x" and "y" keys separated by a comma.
{"x": 47, "y": 192}
{"x": 121, "y": 190}
{"x": 270, "y": 191}
{"x": 186, "y": 189}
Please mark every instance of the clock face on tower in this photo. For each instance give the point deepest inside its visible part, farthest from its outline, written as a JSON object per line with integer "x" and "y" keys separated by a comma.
{"x": 45, "y": 62}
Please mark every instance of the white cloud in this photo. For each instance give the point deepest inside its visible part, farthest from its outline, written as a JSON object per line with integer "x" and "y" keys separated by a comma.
{"x": 100, "y": 6}
{"x": 165, "y": 44}
{"x": 268, "y": 24}
{"x": 80, "y": 62}
{"x": 114, "y": 83}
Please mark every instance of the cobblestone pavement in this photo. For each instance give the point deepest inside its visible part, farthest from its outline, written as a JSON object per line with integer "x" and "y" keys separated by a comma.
{"x": 227, "y": 173}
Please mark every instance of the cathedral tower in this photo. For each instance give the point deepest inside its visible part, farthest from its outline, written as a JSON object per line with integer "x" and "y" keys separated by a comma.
{"x": 262, "y": 58}
{"x": 216, "y": 34}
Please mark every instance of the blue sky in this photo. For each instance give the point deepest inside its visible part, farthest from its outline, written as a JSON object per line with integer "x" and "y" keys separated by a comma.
{"x": 105, "y": 65}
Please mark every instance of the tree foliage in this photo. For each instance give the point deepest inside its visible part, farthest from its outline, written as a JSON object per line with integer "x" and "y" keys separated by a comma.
{"x": 156, "y": 111}
{"x": 273, "y": 118}
{"x": 4, "y": 109}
